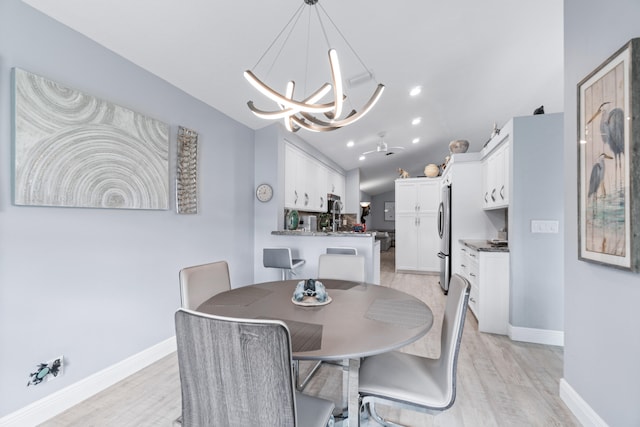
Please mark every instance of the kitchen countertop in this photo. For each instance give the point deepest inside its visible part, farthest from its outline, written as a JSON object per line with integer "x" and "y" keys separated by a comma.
{"x": 320, "y": 233}
{"x": 483, "y": 246}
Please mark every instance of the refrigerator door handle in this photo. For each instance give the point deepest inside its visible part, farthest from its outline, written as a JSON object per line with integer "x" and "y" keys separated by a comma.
{"x": 441, "y": 220}
{"x": 441, "y": 255}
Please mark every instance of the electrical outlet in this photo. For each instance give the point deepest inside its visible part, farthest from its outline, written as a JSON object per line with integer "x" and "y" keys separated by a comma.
{"x": 46, "y": 371}
{"x": 540, "y": 226}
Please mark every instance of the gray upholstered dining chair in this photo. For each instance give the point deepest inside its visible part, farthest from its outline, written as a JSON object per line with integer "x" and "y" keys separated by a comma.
{"x": 200, "y": 282}
{"x": 415, "y": 382}
{"x": 238, "y": 372}
{"x": 343, "y": 267}
{"x": 281, "y": 258}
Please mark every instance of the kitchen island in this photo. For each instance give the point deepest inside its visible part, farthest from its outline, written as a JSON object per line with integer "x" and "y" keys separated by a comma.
{"x": 310, "y": 245}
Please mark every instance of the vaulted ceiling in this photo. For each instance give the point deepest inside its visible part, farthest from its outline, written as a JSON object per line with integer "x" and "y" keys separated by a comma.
{"x": 478, "y": 63}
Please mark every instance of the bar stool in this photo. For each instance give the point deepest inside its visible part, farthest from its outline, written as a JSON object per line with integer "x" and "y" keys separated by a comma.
{"x": 281, "y": 258}
{"x": 342, "y": 250}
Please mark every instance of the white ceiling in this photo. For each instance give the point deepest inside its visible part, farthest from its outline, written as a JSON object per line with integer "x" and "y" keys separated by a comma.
{"x": 478, "y": 62}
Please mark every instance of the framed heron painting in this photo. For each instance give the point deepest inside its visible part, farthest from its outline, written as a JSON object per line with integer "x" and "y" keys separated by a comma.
{"x": 608, "y": 155}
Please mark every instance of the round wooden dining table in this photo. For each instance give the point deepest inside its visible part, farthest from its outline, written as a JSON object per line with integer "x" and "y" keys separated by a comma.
{"x": 361, "y": 320}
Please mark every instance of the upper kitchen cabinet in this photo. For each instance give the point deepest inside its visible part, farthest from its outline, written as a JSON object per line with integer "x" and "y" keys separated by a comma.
{"x": 307, "y": 181}
{"x": 495, "y": 170}
{"x": 336, "y": 184}
{"x": 416, "y": 212}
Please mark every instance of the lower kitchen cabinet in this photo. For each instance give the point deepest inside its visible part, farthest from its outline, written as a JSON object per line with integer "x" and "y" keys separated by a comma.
{"x": 417, "y": 242}
{"x": 488, "y": 273}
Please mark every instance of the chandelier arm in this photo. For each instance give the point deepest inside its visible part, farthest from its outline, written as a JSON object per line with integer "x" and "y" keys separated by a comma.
{"x": 310, "y": 126}
{"x": 270, "y": 115}
{"x": 353, "y": 115}
{"x": 284, "y": 112}
{"x": 288, "y": 123}
{"x": 319, "y": 122}
{"x": 336, "y": 79}
{"x": 289, "y": 103}
{"x": 367, "y": 107}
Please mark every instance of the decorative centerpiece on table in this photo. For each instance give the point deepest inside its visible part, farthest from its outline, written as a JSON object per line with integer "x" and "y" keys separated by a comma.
{"x": 310, "y": 292}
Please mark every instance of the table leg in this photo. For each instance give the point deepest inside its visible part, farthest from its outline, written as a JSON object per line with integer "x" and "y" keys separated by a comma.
{"x": 350, "y": 375}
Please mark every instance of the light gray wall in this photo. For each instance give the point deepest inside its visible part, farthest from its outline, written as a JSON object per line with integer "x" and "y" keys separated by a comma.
{"x": 375, "y": 220}
{"x": 537, "y": 289}
{"x": 98, "y": 286}
{"x": 602, "y": 342}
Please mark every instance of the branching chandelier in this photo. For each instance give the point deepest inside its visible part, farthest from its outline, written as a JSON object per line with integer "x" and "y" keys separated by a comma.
{"x": 311, "y": 113}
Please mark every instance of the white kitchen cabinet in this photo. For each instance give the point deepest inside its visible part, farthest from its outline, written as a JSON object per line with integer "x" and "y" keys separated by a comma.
{"x": 488, "y": 273}
{"x": 495, "y": 174}
{"x": 307, "y": 181}
{"x": 416, "y": 207}
{"x": 292, "y": 159}
{"x": 336, "y": 184}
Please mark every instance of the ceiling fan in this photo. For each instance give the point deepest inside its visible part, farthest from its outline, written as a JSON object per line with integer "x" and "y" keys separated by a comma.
{"x": 382, "y": 147}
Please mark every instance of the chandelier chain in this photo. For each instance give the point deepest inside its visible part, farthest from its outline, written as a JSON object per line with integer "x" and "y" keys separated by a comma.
{"x": 295, "y": 16}
{"x": 345, "y": 39}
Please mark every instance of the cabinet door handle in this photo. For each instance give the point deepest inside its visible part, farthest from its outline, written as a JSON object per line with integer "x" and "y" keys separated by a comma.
{"x": 502, "y": 192}
{"x": 472, "y": 275}
{"x": 321, "y": 201}
{"x": 493, "y": 195}
{"x": 486, "y": 197}
{"x": 463, "y": 266}
{"x": 295, "y": 199}
{"x": 306, "y": 199}
{"x": 473, "y": 300}
{"x": 473, "y": 255}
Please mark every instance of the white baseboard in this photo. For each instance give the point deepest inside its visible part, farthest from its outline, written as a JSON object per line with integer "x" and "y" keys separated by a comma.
{"x": 58, "y": 402}
{"x": 583, "y": 412}
{"x": 538, "y": 336}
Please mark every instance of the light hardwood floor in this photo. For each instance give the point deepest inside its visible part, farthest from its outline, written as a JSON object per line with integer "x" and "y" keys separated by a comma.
{"x": 500, "y": 382}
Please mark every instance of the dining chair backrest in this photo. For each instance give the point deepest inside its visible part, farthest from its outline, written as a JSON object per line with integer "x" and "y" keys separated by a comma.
{"x": 416, "y": 382}
{"x": 452, "y": 326}
{"x": 200, "y": 282}
{"x": 343, "y": 267}
{"x": 238, "y": 372}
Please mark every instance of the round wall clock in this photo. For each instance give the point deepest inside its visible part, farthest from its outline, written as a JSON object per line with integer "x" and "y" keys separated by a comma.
{"x": 264, "y": 192}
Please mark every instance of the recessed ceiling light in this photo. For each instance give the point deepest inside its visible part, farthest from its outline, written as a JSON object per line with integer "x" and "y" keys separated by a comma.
{"x": 415, "y": 140}
{"x": 416, "y": 121}
{"x": 350, "y": 144}
{"x": 361, "y": 158}
{"x": 415, "y": 91}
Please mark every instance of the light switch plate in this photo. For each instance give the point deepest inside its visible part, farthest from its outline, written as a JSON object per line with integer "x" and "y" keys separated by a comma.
{"x": 544, "y": 226}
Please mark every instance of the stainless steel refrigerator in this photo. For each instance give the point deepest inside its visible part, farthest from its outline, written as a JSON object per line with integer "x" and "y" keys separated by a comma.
{"x": 444, "y": 232}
